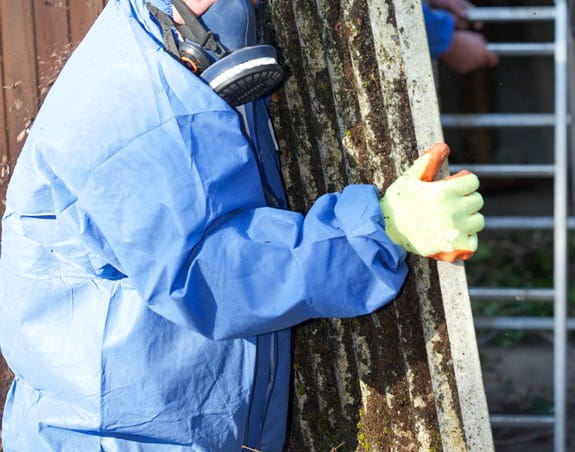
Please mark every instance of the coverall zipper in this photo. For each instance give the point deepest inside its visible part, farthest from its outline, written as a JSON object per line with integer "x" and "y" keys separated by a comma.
{"x": 256, "y": 418}
{"x": 247, "y": 113}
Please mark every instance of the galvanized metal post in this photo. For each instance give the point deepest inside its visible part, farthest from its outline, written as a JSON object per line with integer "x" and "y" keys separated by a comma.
{"x": 560, "y": 234}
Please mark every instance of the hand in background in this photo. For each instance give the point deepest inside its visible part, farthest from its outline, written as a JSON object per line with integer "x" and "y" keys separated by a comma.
{"x": 468, "y": 51}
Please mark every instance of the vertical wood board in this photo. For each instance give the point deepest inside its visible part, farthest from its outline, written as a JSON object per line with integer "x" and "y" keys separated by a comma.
{"x": 19, "y": 68}
{"x": 83, "y": 13}
{"x": 52, "y": 39}
{"x": 4, "y": 157}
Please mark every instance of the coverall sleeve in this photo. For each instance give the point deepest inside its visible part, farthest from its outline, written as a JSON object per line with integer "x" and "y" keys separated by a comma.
{"x": 179, "y": 211}
{"x": 439, "y": 26}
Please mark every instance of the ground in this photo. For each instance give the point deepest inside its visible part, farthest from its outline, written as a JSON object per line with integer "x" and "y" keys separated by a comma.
{"x": 519, "y": 379}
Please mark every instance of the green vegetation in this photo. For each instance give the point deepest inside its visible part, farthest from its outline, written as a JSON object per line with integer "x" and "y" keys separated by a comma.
{"x": 521, "y": 259}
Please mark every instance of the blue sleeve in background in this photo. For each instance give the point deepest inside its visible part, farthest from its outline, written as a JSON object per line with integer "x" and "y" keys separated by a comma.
{"x": 439, "y": 26}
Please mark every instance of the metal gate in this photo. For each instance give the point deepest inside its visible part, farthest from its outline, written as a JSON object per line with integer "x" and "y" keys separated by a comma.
{"x": 559, "y": 222}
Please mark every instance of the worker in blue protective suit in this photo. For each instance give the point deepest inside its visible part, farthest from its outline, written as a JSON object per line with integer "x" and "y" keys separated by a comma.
{"x": 149, "y": 270}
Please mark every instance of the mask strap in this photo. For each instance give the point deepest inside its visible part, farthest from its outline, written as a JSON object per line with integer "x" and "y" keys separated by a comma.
{"x": 166, "y": 23}
{"x": 193, "y": 30}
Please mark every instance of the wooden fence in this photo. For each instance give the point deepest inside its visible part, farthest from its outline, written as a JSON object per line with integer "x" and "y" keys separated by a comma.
{"x": 36, "y": 37}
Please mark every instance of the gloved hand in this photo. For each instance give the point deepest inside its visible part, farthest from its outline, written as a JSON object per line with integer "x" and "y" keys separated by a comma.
{"x": 437, "y": 219}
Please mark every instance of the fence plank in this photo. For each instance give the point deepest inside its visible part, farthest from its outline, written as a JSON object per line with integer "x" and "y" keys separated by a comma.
{"x": 4, "y": 167}
{"x": 82, "y": 16}
{"x": 19, "y": 65}
{"x": 52, "y": 41}
{"x": 19, "y": 101}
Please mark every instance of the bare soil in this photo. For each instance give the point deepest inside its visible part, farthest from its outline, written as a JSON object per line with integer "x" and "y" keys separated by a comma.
{"x": 519, "y": 380}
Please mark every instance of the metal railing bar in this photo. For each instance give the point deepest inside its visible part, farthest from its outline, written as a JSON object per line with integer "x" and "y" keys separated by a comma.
{"x": 521, "y": 420}
{"x": 498, "y": 120}
{"x": 511, "y": 14}
{"x": 521, "y": 222}
{"x": 560, "y": 246}
{"x": 511, "y": 293}
{"x": 520, "y": 323}
{"x": 522, "y": 49}
{"x": 504, "y": 170}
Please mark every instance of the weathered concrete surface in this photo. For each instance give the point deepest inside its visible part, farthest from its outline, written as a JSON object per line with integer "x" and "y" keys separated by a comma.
{"x": 358, "y": 106}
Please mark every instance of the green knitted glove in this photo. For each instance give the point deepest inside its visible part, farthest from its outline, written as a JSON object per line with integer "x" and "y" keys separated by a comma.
{"x": 437, "y": 219}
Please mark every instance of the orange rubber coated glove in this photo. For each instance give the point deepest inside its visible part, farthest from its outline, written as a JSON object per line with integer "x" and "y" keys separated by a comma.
{"x": 437, "y": 219}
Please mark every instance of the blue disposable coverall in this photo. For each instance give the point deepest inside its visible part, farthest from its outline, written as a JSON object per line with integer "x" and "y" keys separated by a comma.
{"x": 440, "y": 26}
{"x": 146, "y": 285}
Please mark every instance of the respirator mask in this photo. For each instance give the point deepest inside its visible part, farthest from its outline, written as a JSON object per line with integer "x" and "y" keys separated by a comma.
{"x": 219, "y": 48}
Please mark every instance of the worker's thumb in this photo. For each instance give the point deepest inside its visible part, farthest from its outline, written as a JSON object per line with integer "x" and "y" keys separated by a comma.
{"x": 427, "y": 165}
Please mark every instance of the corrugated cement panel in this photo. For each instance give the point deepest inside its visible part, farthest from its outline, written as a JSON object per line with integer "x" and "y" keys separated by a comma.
{"x": 359, "y": 105}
